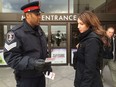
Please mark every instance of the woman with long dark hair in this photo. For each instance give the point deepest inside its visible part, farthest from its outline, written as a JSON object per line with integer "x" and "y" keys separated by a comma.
{"x": 91, "y": 38}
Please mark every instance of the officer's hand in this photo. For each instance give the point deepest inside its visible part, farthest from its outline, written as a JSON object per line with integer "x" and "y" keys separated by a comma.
{"x": 47, "y": 67}
{"x": 39, "y": 65}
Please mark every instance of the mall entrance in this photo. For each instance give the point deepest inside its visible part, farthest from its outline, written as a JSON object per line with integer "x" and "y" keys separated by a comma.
{"x": 57, "y": 39}
{"x": 56, "y": 36}
{"x": 61, "y": 35}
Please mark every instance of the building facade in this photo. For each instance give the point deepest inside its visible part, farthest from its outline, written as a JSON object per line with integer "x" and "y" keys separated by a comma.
{"x": 58, "y": 22}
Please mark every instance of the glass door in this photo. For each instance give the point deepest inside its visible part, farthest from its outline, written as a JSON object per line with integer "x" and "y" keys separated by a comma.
{"x": 58, "y": 44}
{"x": 3, "y": 31}
{"x": 74, "y": 34}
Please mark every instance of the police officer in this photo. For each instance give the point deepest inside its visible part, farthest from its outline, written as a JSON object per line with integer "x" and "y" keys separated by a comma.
{"x": 25, "y": 49}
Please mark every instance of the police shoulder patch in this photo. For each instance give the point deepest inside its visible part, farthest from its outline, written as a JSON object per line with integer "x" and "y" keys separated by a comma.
{"x": 10, "y": 37}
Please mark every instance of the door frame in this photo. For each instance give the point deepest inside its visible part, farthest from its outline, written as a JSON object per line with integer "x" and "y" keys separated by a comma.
{"x": 49, "y": 24}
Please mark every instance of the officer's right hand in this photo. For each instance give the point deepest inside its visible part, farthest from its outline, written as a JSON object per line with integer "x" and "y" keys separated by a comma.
{"x": 39, "y": 65}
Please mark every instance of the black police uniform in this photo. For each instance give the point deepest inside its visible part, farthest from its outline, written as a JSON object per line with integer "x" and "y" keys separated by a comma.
{"x": 24, "y": 46}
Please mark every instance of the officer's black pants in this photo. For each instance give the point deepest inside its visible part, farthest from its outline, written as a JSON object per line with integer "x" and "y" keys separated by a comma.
{"x": 31, "y": 82}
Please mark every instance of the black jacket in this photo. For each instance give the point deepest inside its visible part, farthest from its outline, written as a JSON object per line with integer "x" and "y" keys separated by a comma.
{"x": 87, "y": 73}
{"x": 109, "y": 52}
{"x": 23, "y": 45}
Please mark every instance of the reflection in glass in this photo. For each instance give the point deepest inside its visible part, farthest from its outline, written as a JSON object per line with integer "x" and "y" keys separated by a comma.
{"x": 74, "y": 35}
{"x": 12, "y": 5}
{"x": 71, "y": 6}
{"x": 98, "y": 6}
{"x": 82, "y": 5}
{"x": 11, "y": 26}
{"x": 45, "y": 29}
{"x": 54, "y": 6}
{"x": 5, "y": 29}
{"x": 1, "y": 36}
{"x": 72, "y": 54}
{"x": 58, "y": 36}
{"x": 61, "y": 6}
{"x": 108, "y": 6}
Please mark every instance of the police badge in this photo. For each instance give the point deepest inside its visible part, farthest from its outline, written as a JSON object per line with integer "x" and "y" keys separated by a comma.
{"x": 10, "y": 37}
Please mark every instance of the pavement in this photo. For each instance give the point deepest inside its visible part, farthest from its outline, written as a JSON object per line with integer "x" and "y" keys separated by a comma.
{"x": 64, "y": 77}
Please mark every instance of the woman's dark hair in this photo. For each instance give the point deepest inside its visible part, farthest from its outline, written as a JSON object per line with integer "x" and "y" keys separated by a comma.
{"x": 91, "y": 20}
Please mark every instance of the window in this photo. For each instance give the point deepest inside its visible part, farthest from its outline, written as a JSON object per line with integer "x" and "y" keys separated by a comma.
{"x": 98, "y": 6}
{"x": 9, "y": 6}
{"x": 54, "y": 6}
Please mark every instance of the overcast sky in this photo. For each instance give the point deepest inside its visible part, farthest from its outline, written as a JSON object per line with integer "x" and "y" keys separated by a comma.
{"x": 12, "y": 5}
{"x": 48, "y": 6}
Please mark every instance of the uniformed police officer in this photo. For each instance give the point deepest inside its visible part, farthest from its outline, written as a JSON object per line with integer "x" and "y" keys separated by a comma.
{"x": 25, "y": 49}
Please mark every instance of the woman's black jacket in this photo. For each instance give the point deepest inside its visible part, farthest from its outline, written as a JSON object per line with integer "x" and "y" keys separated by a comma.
{"x": 87, "y": 71}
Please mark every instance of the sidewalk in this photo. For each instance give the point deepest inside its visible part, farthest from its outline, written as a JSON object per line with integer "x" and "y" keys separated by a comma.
{"x": 64, "y": 77}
